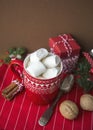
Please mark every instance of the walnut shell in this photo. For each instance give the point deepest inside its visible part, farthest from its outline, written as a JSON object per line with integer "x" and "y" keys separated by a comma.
{"x": 69, "y": 109}
{"x": 86, "y": 102}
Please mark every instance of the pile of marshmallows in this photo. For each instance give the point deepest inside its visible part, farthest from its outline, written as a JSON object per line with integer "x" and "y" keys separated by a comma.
{"x": 43, "y": 65}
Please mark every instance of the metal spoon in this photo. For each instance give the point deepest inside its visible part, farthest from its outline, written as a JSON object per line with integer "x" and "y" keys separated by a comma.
{"x": 64, "y": 88}
{"x": 91, "y": 53}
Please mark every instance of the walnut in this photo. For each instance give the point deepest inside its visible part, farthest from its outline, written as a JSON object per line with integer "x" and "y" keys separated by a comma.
{"x": 69, "y": 109}
{"x": 86, "y": 102}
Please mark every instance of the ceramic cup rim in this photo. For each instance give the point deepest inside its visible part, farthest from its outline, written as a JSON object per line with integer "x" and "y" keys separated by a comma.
{"x": 27, "y": 60}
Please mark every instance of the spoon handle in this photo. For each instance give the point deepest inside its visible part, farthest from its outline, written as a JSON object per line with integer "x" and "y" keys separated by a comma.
{"x": 48, "y": 113}
{"x": 64, "y": 88}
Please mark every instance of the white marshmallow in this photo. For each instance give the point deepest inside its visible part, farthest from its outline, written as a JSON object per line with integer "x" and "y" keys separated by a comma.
{"x": 51, "y": 61}
{"x": 36, "y": 69}
{"x": 38, "y": 55}
{"x": 51, "y": 73}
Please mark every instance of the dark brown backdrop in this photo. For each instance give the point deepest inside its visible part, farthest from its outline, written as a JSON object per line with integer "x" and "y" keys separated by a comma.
{"x": 30, "y": 23}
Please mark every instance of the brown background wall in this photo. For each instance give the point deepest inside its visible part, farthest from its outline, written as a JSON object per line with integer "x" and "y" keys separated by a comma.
{"x": 30, "y": 23}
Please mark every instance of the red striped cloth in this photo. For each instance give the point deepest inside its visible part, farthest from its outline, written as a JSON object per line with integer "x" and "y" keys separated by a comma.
{"x": 22, "y": 114}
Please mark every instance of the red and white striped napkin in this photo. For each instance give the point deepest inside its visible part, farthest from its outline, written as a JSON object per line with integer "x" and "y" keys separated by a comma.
{"x": 22, "y": 114}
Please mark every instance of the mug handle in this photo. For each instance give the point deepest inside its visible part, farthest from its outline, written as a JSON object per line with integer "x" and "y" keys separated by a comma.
{"x": 16, "y": 67}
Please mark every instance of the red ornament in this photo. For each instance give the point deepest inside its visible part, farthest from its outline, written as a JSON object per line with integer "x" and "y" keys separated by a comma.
{"x": 91, "y": 70}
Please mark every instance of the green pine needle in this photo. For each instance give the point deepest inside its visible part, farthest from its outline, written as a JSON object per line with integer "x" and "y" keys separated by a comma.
{"x": 7, "y": 60}
{"x": 20, "y": 51}
{"x": 11, "y": 50}
{"x": 83, "y": 68}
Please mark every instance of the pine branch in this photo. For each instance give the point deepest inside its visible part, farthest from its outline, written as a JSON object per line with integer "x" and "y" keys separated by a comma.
{"x": 83, "y": 68}
{"x": 18, "y": 53}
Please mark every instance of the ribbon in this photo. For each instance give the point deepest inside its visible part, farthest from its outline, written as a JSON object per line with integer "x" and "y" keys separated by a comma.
{"x": 19, "y": 84}
{"x": 69, "y": 63}
{"x": 65, "y": 40}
